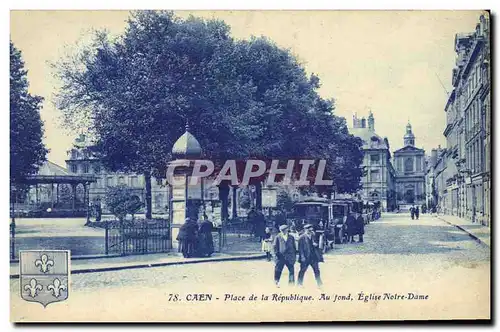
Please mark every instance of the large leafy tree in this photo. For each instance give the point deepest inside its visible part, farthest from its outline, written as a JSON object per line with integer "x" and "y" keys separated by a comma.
{"x": 27, "y": 151}
{"x": 244, "y": 99}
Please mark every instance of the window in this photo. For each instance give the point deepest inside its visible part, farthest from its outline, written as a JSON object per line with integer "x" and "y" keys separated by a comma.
{"x": 86, "y": 168}
{"x": 109, "y": 181}
{"x": 409, "y": 165}
{"x": 121, "y": 179}
{"x": 74, "y": 154}
{"x": 419, "y": 164}
{"x": 374, "y": 175}
{"x": 375, "y": 159}
{"x": 133, "y": 181}
{"x": 74, "y": 168}
{"x": 97, "y": 169}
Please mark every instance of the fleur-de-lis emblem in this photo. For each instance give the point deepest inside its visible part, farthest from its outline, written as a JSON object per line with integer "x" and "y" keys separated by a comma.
{"x": 56, "y": 287}
{"x": 44, "y": 262}
{"x": 33, "y": 288}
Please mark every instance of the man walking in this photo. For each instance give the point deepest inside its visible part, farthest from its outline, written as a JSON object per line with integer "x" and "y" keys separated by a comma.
{"x": 285, "y": 252}
{"x": 309, "y": 254}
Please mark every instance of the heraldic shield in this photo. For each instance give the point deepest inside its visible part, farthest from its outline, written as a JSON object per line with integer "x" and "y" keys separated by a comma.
{"x": 44, "y": 275}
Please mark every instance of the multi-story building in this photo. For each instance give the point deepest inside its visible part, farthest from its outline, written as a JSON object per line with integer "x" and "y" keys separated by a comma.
{"x": 378, "y": 181}
{"x": 467, "y": 132}
{"x": 81, "y": 160}
{"x": 409, "y": 163}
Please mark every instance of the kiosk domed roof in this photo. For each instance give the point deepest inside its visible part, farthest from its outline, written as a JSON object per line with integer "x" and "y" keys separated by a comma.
{"x": 187, "y": 146}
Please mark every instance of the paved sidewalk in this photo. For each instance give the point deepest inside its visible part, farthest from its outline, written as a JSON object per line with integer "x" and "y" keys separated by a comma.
{"x": 142, "y": 261}
{"x": 477, "y": 231}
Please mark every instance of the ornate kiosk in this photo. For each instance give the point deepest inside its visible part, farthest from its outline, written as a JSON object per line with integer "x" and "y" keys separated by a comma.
{"x": 186, "y": 198}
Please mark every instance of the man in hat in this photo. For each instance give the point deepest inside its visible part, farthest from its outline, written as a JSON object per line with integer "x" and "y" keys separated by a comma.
{"x": 309, "y": 254}
{"x": 285, "y": 252}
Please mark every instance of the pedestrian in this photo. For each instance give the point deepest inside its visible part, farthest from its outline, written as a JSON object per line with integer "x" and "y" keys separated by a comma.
{"x": 267, "y": 244}
{"x": 412, "y": 212}
{"x": 98, "y": 211}
{"x": 351, "y": 227}
{"x": 417, "y": 212}
{"x": 279, "y": 219}
{"x": 285, "y": 252}
{"x": 187, "y": 238}
{"x": 205, "y": 239}
{"x": 309, "y": 255}
{"x": 260, "y": 225}
{"x": 251, "y": 219}
{"x": 360, "y": 223}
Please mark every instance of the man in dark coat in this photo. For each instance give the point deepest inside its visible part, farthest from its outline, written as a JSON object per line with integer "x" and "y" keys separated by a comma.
{"x": 285, "y": 253}
{"x": 412, "y": 212}
{"x": 351, "y": 227}
{"x": 260, "y": 225}
{"x": 309, "y": 254}
{"x": 205, "y": 239}
{"x": 98, "y": 211}
{"x": 417, "y": 213}
{"x": 360, "y": 223}
{"x": 187, "y": 238}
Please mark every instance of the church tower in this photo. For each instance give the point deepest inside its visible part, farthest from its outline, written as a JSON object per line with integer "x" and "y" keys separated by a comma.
{"x": 371, "y": 122}
{"x": 409, "y": 138}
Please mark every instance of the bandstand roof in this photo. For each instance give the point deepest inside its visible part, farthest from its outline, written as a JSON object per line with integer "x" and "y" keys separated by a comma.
{"x": 50, "y": 172}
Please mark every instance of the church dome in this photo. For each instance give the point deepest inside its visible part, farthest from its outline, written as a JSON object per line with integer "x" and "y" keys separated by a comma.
{"x": 187, "y": 146}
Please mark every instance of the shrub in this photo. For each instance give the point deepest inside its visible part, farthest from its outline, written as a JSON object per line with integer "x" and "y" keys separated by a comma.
{"x": 121, "y": 201}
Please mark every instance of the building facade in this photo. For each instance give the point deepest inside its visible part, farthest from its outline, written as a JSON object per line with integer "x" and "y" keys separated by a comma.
{"x": 378, "y": 181}
{"x": 409, "y": 163}
{"x": 468, "y": 127}
{"x": 81, "y": 160}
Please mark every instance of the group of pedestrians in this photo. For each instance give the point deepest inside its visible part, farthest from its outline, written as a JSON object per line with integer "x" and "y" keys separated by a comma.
{"x": 286, "y": 251}
{"x": 195, "y": 238}
{"x": 355, "y": 226}
{"x": 258, "y": 221}
{"x": 414, "y": 212}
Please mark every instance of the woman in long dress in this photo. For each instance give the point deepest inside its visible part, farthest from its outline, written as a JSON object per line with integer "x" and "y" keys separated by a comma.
{"x": 187, "y": 238}
{"x": 205, "y": 239}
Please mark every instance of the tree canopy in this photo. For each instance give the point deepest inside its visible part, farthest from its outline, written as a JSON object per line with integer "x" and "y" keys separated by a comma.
{"x": 243, "y": 98}
{"x": 27, "y": 151}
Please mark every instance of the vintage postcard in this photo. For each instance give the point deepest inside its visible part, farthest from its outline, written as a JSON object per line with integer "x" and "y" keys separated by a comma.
{"x": 250, "y": 166}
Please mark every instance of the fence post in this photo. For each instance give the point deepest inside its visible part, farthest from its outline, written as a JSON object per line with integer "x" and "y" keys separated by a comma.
{"x": 221, "y": 239}
{"x": 106, "y": 237}
{"x": 145, "y": 248}
{"x": 122, "y": 236}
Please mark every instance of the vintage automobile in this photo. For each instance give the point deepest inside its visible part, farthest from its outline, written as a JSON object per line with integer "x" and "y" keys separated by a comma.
{"x": 314, "y": 211}
{"x": 340, "y": 209}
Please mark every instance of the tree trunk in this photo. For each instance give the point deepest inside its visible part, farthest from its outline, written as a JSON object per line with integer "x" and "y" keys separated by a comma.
{"x": 224, "y": 198}
{"x": 258, "y": 196}
{"x": 149, "y": 208}
{"x": 235, "y": 205}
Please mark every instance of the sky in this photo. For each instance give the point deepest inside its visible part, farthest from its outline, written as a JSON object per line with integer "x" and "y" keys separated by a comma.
{"x": 397, "y": 64}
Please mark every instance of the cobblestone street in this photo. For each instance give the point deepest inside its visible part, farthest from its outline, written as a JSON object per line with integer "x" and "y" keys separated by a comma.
{"x": 399, "y": 255}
